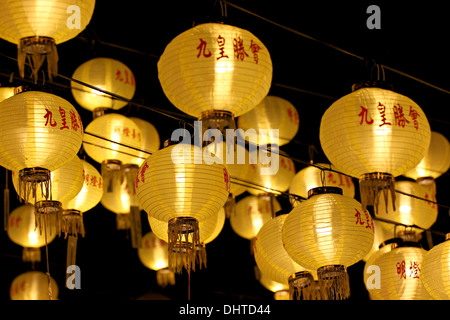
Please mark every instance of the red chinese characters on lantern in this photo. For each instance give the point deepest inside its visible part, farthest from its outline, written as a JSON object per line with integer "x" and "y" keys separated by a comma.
{"x": 382, "y": 109}
{"x": 414, "y": 114}
{"x": 254, "y": 47}
{"x": 293, "y": 116}
{"x": 363, "y": 114}
{"x": 62, "y": 112}
{"x": 49, "y": 117}
{"x": 331, "y": 179}
{"x": 75, "y": 121}
{"x": 125, "y": 76}
{"x": 221, "y": 43}
{"x": 127, "y": 132}
{"x": 226, "y": 179}
{"x": 368, "y": 220}
{"x": 92, "y": 180}
{"x": 412, "y": 272}
{"x": 141, "y": 174}
{"x": 238, "y": 47}
{"x": 400, "y": 119}
{"x": 202, "y": 49}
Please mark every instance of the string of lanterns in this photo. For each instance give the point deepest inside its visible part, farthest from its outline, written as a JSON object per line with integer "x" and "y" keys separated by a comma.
{"x": 180, "y": 193}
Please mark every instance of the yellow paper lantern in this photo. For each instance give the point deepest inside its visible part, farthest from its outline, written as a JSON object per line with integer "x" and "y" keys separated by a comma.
{"x": 119, "y": 138}
{"x": 271, "y": 175}
{"x": 272, "y": 113}
{"x": 214, "y": 66}
{"x": 33, "y": 285}
{"x": 153, "y": 255}
{"x": 251, "y": 213}
{"x": 22, "y": 231}
{"x": 275, "y": 263}
{"x": 436, "y": 161}
{"x": 317, "y": 175}
{"x": 181, "y": 186}
{"x": 400, "y": 275}
{"x": 375, "y": 135}
{"x": 328, "y": 233}
{"x": 409, "y": 210}
{"x": 6, "y": 92}
{"x": 280, "y": 290}
{"x": 435, "y": 272}
{"x": 150, "y": 140}
{"x": 383, "y": 231}
{"x": 38, "y": 26}
{"x": 106, "y": 74}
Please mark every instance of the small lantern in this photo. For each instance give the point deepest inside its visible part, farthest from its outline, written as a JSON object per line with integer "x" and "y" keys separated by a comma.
{"x": 106, "y": 74}
{"x": 36, "y": 27}
{"x": 33, "y": 285}
{"x": 435, "y": 274}
{"x": 328, "y": 232}
{"x": 275, "y": 263}
{"x": 272, "y": 113}
{"x": 375, "y": 135}
{"x": 177, "y": 185}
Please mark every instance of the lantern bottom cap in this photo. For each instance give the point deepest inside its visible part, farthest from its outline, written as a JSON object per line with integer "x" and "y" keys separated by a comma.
{"x": 333, "y": 282}
{"x": 372, "y": 184}
{"x": 302, "y": 286}
{"x": 72, "y": 223}
{"x": 29, "y": 178}
{"x": 48, "y": 216}
{"x": 38, "y": 48}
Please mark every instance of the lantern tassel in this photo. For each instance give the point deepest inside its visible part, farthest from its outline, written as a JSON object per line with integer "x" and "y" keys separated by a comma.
{"x": 72, "y": 223}
{"x": 302, "y": 287}
{"x": 333, "y": 282}
{"x": 165, "y": 277}
{"x": 371, "y": 185}
{"x": 29, "y": 179}
{"x": 52, "y": 210}
{"x": 183, "y": 237}
{"x": 200, "y": 251}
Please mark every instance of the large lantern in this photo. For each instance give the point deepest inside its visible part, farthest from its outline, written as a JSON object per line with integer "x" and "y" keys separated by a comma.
{"x": 36, "y": 27}
{"x": 435, "y": 272}
{"x": 215, "y": 72}
{"x": 53, "y": 137}
{"x": 273, "y": 113}
{"x": 106, "y": 74}
{"x": 375, "y": 135}
{"x": 153, "y": 255}
{"x": 400, "y": 271}
{"x": 177, "y": 185}
{"x": 252, "y": 212}
{"x": 275, "y": 263}
{"x": 33, "y": 285}
{"x": 319, "y": 175}
{"x": 328, "y": 232}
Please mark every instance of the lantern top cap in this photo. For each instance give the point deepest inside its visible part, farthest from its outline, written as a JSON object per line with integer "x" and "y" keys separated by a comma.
{"x": 372, "y": 84}
{"x": 323, "y": 190}
{"x": 394, "y": 242}
{"x": 170, "y": 142}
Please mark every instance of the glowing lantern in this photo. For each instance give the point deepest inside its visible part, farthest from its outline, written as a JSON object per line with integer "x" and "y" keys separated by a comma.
{"x": 66, "y": 183}
{"x": 435, "y": 272}
{"x": 153, "y": 254}
{"x": 6, "y": 92}
{"x": 408, "y": 209}
{"x": 177, "y": 185}
{"x": 319, "y": 175}
{"x": 150, "y": 140}
{"x": 38, "y": 26}
{"x": 384, "y": 231}
{"x": 215, "y": 72}
{"x": 328, "y": 232}
{"x": 252, "y": 212}
{"x": 272, "y": 113}
{"x": 375, "y": 135}
{"x": 22, "y": 231}
{"x": 280, "y": 290}
{"x": 106, "y": 74}
{"x": 52, "y": 137}
{"x": 277, "y": 265}
{"x": 272, "y": 173}
{"x": 400, "y": 274}
{"x": 33, "y": 285}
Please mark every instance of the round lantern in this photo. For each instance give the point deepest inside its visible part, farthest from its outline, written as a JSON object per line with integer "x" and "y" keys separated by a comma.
{"x": 280, "y": 290}
{"x": 153, "y": 255}
{"x": 328, "y": 232}
{"x": 22, "y": 231}
{"x": 38, "y": 26}
{"x": 66, "y": 183}
{"x": 436, "y": 161}
{"x": 177, "y": 185}
{"x": 375, "y": 135}
{"x": 410, "y": 209}
{"x": 435, "y": 272}
{"x": 272, "y": 113}
{"x": 6, "y": 92}
{"x": 319, "y": 175}
{"x": 215, "y": 72}
{"x": 150, "y": 140}
{"x": 53, "y": 136}
{"x": 251, "y": 213}
{"x": 400, "y": 272}
{"x": 277, "y": 265}
{"x": 33, "y": 285}
{"x": 106, "y": 74}
{"x": 383, "y": 232}
{"x": 270, "y": 173}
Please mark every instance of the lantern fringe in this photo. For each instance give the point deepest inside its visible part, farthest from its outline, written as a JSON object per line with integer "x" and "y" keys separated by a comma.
{"x": 333, "y": 282}
{"x": 183, "y": 238}
{"x": 165, "y": 277}
{"x": 135, "y": 227}
{"x": 122, "y": 221}
{"x": 230, "y": 206}
{"x": 32, "y": 255}
{"x": 53, "y": 211}
{"x": 29, "y": 179}
{"x": 371, "y": 185}
{"x": 36, "y": 50}
{"x": 200, "y": 252}
{"x": 112, "y": 174}
{"x": 302, "y": 287}
{"x": 72, "y": 223}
